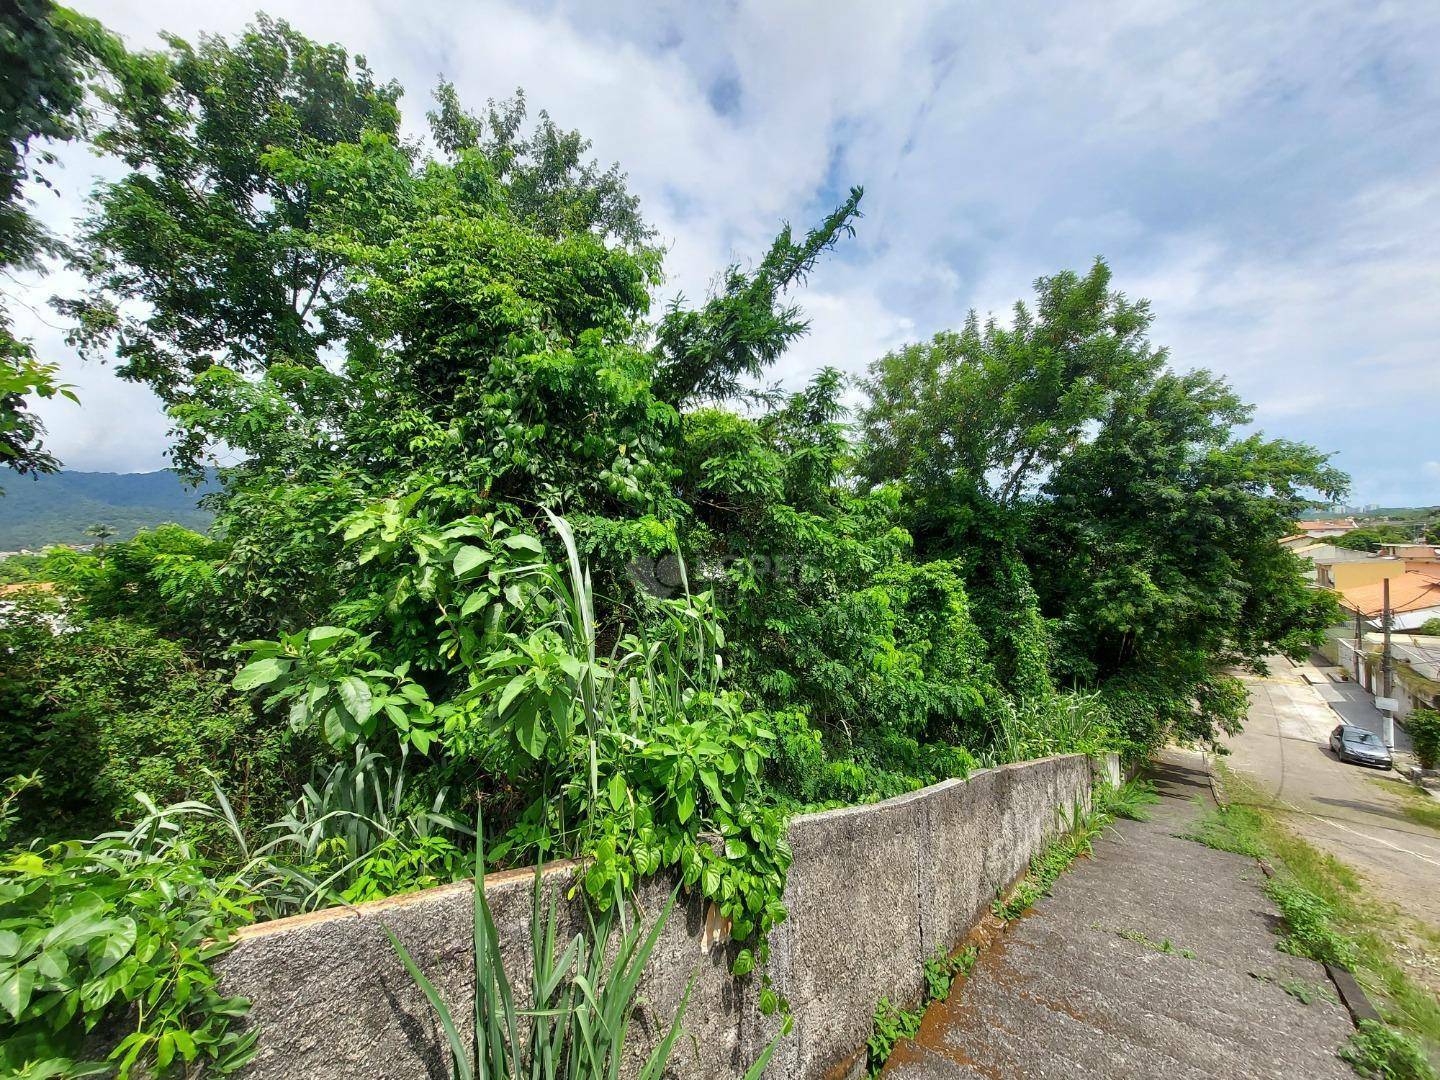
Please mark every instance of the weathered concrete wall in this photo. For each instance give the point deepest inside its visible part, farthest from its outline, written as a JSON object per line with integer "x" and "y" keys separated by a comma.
{"x": 873, "y": 891}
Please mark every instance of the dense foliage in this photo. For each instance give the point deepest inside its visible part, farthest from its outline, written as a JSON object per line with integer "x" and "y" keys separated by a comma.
{"x": 502, "y": 539}
{"x": 1370, "y": 537}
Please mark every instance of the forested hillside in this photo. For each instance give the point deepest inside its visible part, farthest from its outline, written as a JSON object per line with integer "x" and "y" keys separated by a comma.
{"x": 57, "y": 508}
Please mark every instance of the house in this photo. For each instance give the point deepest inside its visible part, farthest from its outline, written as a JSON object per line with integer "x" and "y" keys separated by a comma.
{"x": 1415, "y": 664}
{"x": 1416, "y": 556}
{"x": 1414, "y": 599}
{"x": 1317, "y": 529}
{"x": 1339, "y": 568}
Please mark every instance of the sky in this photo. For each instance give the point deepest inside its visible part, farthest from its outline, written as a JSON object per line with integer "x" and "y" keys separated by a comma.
{"x": 1267, "y": 175}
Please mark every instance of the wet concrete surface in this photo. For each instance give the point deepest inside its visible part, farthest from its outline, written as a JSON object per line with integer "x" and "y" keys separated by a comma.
{"x": 1085, "y": 985}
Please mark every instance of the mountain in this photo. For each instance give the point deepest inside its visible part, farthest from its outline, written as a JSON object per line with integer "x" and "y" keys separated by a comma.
{"x": 56, "y": 509}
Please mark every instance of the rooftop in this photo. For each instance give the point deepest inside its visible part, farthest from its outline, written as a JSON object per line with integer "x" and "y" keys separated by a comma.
{"x": 1414, "y": 590}
{"x": 1325, "y": 526}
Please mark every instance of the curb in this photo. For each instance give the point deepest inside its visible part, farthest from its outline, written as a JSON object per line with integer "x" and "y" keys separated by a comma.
{"x": 1352, "y": 994}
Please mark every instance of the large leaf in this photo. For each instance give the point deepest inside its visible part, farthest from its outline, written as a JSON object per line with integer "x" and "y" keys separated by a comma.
{"x": 262, "y": 673}
{"x": 355, "y": 693}
{"x": 15, "y": 988}
{"x": 469, "y": 560}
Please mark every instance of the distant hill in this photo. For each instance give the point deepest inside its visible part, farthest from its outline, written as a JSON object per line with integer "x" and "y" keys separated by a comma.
{"x": 56, "y": 509}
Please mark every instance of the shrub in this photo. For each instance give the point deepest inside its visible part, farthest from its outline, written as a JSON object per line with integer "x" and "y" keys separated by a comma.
{"x": 1424, "y": 728}
{"x": 106, "y": 709}
{"x": 1386, "y": 1054}
{"x": 90, "y": 929}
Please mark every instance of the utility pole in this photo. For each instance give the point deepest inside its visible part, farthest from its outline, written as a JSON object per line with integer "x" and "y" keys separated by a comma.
{"x": 1359, "y": 648}
{"x": 1387, "y": 667}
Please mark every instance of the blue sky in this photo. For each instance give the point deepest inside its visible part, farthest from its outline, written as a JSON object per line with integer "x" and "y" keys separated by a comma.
{"x": 1268, "y": 175}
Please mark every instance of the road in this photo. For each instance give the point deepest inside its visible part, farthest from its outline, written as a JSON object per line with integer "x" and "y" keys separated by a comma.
{"x": 1339, "y": 808}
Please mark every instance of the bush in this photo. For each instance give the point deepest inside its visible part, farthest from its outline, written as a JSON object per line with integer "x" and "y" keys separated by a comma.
{"x": 1386, "y": 1054}
{"x": 91, "y": 929}
{"x": 1424, "y": 728}
{"x": 1308, "y": 922}
{"x": 107, "y": 709}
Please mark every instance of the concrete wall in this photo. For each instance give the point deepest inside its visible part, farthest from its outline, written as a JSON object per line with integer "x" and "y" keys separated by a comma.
{"x": 873, "y": 891}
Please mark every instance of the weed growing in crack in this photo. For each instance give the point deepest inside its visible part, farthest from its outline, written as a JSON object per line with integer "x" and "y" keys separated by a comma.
{"x": 1165, "y": 945}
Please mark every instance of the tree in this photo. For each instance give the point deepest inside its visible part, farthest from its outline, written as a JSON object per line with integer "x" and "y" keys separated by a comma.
{"x": 1155, "y": 548}
{"x": 49, "y": 55}
{"x": 1078, "y": 480}
{"x": 1371, "y": 537}
{"x": 990, "y": 410}
{"x": 21, "y": 433}
{"x": 712, "y": 353}
{"x": 550, "y": 184}
{"x": 202, "y": 234}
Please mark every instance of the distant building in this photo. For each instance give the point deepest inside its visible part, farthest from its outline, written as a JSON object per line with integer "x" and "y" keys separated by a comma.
{"x": 1416, "y": 556}
{"x": 1339, "y": 568}
{"x": 1332, "y": 527}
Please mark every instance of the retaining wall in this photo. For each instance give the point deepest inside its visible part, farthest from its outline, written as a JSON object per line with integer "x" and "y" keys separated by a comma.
{"x": 873, "y": 891}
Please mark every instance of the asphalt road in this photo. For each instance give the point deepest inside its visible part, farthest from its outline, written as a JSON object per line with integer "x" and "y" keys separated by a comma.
{"x": 1339, "y": 808}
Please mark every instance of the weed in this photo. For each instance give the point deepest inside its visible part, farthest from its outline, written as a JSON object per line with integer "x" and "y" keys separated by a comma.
{"x": 1309, "y": 925}
{"x": 891, "y": 1025}
{"x": 1053, "y": 860}
{"x": 942, "y": 969}
{"x": 1233, "y": 828}
{"x": 1163, "y": 946}
{"x": 1382, "y": 1052}
{"x": 1126, "y": 801}
{"x": 1302, "y": 990}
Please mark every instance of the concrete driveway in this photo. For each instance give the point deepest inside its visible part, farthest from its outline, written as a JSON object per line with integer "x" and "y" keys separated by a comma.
{"x": 1339, "y": 808}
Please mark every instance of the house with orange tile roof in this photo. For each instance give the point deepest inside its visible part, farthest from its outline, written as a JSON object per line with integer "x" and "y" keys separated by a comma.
{"x": 1414, "y": 599}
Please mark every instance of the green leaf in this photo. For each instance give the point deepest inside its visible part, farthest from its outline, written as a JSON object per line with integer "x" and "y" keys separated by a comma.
{"x": 744, "y": 963}
{"x": 323, "y": 638}
{"x": 470, "y": 559}
{"x": 355, "y": 693}
{"x": 710, "y": 879}
{"x": 105, "y": 952}
{"x": 262, "y": 673}
{"x": 617, "y": 791}
{"x": 474, "y": 602}
{"x": 524, "y": 542}
{"x": 685, "y": 804}
{"x": 15, "y": 988}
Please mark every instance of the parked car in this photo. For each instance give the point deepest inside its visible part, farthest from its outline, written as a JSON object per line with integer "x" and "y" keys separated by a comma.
{"x": 1352, "y": 743}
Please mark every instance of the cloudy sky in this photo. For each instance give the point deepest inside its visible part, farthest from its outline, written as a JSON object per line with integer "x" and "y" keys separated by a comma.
{"x": 1267, "y": 174}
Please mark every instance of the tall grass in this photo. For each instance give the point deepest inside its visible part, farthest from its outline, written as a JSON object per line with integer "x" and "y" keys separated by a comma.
{"x": 581, "y": 997}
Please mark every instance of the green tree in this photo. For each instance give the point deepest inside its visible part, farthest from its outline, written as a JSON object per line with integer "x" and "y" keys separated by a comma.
{"x": 202, "y": 239}
{"x": 550, "y": 184}
{"x": 714, "y": 353}
{"x": 1371, "y": 537}
{"x": 49, "y": 55}
{"x": 23, "y": 378}
{"x": 985, "y": 412}
{"x": 1079, "y": 481}
{"x": 1155, "y": 549}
